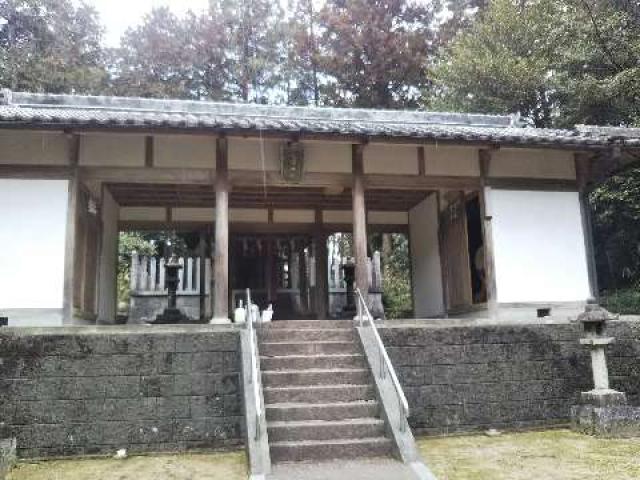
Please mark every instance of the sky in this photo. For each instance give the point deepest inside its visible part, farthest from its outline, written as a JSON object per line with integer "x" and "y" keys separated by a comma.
{"x": 118, "y": 15}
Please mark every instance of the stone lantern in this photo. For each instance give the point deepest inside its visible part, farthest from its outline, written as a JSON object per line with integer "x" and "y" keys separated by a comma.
{"x": 172, "y": 314}
{"x": 594, "y": 321}
{"x": 349, "y": 269}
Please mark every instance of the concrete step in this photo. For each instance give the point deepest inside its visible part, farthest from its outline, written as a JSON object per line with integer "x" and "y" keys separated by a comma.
{"x": 269, "y": 349}
{"x": 298, "y": 451}
{"x": 307, "y": 335}
{"x": 321, "y": 411}
{"x": 318, "y": 394}
{"x": 285, "y": 378}
{"x": 325, "y": 430}
{"x": 313, "y": 324}
{"x": 305, "y": 362}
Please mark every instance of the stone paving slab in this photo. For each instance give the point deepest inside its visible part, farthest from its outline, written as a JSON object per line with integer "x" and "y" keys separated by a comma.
{"x": 366, "y": 469}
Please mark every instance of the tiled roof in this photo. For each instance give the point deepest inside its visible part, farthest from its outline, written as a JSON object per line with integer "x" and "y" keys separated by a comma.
{"x": 74, "y": 111}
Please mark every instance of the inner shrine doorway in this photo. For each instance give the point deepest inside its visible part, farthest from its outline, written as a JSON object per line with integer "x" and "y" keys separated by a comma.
{"x": 280, "y": 269}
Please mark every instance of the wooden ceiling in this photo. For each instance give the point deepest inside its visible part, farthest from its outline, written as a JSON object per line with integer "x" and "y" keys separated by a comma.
{"x": 181, "y": 195}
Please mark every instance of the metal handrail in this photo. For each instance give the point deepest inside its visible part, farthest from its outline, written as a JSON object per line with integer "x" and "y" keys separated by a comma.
{"x": 385, "y": 362}
{"x": 254, "y": 378}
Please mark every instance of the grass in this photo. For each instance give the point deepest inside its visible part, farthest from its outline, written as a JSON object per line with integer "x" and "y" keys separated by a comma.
{"x": 214, "y": 466}
{"x": 548, "y": 455}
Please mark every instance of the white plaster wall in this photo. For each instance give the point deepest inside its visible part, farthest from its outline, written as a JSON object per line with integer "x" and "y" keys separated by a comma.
{"x": 242, "y": 215}
{"x": 337, "y": 216}
{"x": 143, "y": 214}
{"x": 191, "y": 214}
{"x": 425, "y": 259}
{"x": 451, "y": 160}
{"x": 391, "y": 159}
{"x": 246, "y": 154}
{"x": 113, "y": 150}
{"x": 32, "y": 247}
{"x": 538, "y": 246}
{"x": 294, "y": 216}
{"x": 388, "y": 218}
{"x": 186, "y": 151}
{"x": 35, "y": 148}
{"x": 327, "y": 157}
{"x": 530, "y": 163}
{"x": 107, "y": 290}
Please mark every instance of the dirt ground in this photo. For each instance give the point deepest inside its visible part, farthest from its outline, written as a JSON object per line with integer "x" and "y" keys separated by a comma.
{"x": 549, "y": 455}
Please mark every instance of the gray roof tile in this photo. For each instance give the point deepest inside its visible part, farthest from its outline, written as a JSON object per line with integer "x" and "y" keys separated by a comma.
{"x": 60, "y": 111}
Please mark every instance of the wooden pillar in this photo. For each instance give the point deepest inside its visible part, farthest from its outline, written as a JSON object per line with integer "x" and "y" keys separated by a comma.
{"x": 583, "y": 176}
{"x": 322, "y": 268}
{"x": 442, "y": 254}
{"x": 69, "y": 284}
{"x": 487, "y": 233}
{"x": 202, "y": 274}
{"x": 221, "y": 249}
{"x": 359, "y": 219}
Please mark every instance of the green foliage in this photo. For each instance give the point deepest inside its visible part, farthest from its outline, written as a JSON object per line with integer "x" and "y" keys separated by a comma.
{"x": 555, "y": 62}
{"x": 504, "y": 63}
{"x": 51, "y": 46}
{"x": 624, "y": 301}
{"x": 128, "y": 244}
{"x": 616, "y": 219}
{"x": 396, "y": 276}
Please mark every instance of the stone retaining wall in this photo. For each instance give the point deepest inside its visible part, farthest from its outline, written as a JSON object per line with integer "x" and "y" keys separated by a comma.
{"x": 461, "y": 379}
{"x": 84, "y": 391}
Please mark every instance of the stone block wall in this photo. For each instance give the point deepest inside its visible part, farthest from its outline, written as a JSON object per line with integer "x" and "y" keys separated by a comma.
{"x": 461, "y": 379}
{"x": 85, "y": 391}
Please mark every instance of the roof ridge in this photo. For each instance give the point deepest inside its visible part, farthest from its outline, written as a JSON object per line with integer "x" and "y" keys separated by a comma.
{"x": 254, "y": 110}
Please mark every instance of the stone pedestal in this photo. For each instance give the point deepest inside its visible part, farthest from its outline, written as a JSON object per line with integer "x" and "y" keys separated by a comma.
{"x": 7, "y": 456}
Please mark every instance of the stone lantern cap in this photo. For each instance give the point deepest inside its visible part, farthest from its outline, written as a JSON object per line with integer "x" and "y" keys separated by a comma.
{"x": 594, "y": 315}
{"x": 173, "y": 262}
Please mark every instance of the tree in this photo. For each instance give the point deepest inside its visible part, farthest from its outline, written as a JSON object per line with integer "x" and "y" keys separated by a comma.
{"x": 302, "y": 70}
{"x": 253, "y": 33}
{"x": 168, "y": 56}
{"x": 51, "y": 46}
{"x": 374, "y": 53}
{"x": 505, "y": 63}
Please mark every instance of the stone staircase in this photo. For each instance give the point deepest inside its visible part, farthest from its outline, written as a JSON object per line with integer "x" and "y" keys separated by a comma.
{"x": 319, "y": 396}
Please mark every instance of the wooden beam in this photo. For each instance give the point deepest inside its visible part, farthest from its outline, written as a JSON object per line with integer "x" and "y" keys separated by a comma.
{"x": 359, "y": 219}
{"x": 221, "y": 254}
{"x": 36, "y": 171}
{"x": 422, "y": 167}
{"x": 584, "y": 169}
{"x": 541, "y": 184}
{"x": 487, "y": 233}
{"x": 148, "y": 151}
{"x": 195, "y": 176}
{"x": 259, "y": 228}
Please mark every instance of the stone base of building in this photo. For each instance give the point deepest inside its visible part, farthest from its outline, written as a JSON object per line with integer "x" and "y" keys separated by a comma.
{"x": 7, "y": 456}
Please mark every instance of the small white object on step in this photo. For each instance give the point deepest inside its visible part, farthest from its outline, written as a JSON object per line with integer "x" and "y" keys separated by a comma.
{"x": 121, "y": 454}
{"x": 239, "y": 314}
{"x": 255, "y": 313}
{"x": 492, "y": 432}
{"x": 267, "y": 314}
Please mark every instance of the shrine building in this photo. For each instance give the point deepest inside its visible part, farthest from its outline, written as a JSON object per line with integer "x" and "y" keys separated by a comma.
{"x": 494, "y": 210}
